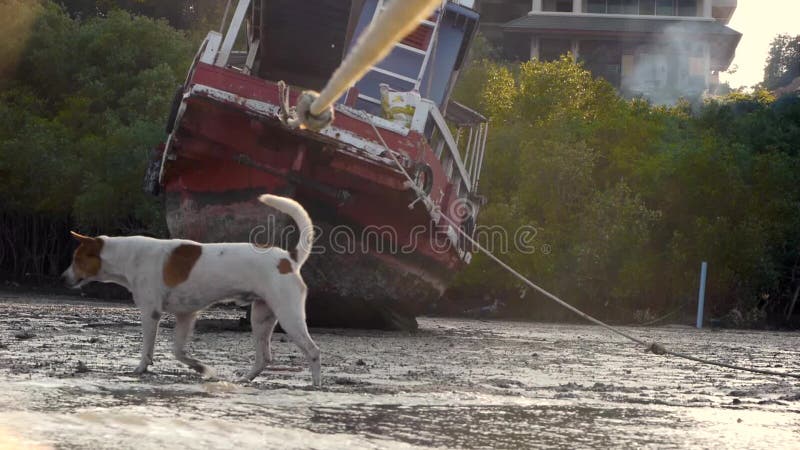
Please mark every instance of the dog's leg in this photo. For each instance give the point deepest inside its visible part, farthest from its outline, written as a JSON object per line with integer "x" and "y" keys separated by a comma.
{"x": 270, "y": 327}
{"x": 150, "y": 320}
{"x": 263, "y": 322}
{"x": 184, "y": 324}
{"x": 291, "y": 316}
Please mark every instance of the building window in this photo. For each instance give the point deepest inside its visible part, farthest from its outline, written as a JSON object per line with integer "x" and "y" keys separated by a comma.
{"x": 552, "y": 49}
{"x": 639, "y": 7}
{"x": 503, "y": 12}
{"x": 687, "y": 8}
{"x": 595, "y": 6}
{"x": 665, "y": 7}
{"x": 564, "y": 6}
{"x": 630, "y": 6}
{"x": 603, "y": 59}
{"x": 647, "y": 7}
{"x": 614, "y": 6}
{"x": 557, "y": 5}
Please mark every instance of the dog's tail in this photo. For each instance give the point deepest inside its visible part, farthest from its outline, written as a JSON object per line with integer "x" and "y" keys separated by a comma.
{"x": 300, "y": 216}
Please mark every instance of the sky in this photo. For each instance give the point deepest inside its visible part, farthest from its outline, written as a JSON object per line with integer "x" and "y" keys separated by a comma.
{"x": 759, "y": 21}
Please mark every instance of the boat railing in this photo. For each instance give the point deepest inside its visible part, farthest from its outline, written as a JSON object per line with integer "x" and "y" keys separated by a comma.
{"x": 232, "y": 34}
{"x": 209, "y": 49}
{"x": 475, "y": 129}
{"x": 463, "y": 172}
{"x": 474, "y": 150}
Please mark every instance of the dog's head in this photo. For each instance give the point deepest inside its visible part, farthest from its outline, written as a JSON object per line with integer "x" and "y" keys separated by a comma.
{"x": 87, "y": 264}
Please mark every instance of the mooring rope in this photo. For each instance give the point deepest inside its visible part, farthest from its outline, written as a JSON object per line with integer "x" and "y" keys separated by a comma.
{"x": 654, "y": 347}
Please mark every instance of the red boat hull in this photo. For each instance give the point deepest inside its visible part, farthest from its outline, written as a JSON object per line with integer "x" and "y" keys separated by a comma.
{"x": 228, "y": 147}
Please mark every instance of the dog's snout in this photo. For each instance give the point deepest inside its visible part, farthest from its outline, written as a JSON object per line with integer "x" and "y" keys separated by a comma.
{"x": 68, "y": 277}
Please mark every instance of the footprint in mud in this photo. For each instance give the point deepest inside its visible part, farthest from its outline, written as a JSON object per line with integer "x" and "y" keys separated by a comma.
{"x": 344, "y": 381}
{"x": 81, "y": 368}
{"x": 24, "y": 335}
{"x": 504, "y": 383}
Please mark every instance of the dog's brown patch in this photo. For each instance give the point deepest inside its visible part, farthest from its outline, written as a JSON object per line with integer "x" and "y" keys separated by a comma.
{"x": 180, "y": 263}
{"x": 284, "y": 266}
{"x": 86, "y": 259}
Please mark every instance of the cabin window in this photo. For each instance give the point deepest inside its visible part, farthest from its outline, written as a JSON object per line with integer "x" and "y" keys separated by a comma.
{"x": 435, "y": 139}
{"x": 447, "y": 162}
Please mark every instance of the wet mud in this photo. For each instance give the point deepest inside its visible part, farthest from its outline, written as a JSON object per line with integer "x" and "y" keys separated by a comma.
{"x": 66, "y": 382}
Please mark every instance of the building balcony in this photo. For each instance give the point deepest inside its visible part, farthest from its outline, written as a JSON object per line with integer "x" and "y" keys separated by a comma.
{"x": 721, "y": 39}
{"x": 721, "y": 10}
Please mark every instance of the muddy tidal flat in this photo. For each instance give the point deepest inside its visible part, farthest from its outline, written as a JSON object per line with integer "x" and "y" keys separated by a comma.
{"x": 66, "y": 382}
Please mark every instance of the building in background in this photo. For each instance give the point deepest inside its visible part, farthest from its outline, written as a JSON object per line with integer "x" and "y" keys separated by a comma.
{"x": 660, "y": 49}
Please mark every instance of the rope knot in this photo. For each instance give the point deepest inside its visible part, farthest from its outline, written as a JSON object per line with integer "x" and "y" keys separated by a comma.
{"x": 306, "y": 117}
{"x": 301, "y": 116}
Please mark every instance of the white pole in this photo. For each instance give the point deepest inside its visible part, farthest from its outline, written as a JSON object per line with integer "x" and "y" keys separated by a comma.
{"x": 480, "y": 160}
{"x": 701, "y": 296}
{"x": 476, "y": 149}
{"x": 233, "y": 33}
{"x": 468, "y": 152}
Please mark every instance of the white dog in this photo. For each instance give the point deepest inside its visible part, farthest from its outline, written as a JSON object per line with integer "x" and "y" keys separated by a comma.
{"x": 184, "y": 277}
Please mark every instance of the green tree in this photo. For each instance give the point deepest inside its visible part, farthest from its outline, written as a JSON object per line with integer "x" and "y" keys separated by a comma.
{"x": 80, "y": 111}
{"x": 200, "y": 15}
{"x": 630, "y": 198}
{"x": 783, "y": 61}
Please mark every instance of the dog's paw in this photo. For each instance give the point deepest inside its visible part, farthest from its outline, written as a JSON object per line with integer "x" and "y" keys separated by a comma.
{"x": 207, "y": 373}
{"x": 242, "y": 376}
{"x": 139, "y": 370}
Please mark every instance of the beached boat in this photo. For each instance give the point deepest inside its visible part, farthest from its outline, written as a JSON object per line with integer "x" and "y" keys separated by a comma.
{"x": 382, "y": 256}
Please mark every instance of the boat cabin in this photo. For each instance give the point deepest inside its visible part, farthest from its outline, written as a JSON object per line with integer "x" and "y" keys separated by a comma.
{"x": 304, "y": 42}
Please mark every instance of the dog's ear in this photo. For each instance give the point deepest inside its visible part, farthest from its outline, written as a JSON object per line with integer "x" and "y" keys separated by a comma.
{"x": 81, "y": 238}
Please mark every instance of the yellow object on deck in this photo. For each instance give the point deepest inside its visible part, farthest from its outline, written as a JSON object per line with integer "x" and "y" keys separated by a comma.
{"x": 399, "y": 106}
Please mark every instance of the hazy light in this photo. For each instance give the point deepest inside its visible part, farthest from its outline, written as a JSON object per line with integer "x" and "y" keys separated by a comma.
{"x": 759, "y": 21}
{"x": 16, "y": 19}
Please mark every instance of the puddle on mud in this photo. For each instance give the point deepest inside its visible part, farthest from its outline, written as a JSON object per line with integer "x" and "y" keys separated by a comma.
{"x": 456, "y": 383}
